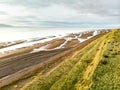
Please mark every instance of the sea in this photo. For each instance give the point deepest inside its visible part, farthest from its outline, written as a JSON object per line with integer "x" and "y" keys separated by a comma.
{"x": 13, "y": 34}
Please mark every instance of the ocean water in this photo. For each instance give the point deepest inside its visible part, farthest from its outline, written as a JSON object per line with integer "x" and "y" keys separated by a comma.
{"x": 12, "y": 34}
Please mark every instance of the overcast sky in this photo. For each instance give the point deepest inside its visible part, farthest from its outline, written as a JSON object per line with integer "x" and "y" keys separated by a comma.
{"x": 60, "y": 13}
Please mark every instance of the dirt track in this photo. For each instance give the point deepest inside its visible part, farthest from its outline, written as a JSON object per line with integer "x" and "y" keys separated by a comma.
{"x": 14, "y": 64}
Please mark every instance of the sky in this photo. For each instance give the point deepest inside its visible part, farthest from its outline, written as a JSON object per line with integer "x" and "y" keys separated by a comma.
{"x": 60, "y": 13}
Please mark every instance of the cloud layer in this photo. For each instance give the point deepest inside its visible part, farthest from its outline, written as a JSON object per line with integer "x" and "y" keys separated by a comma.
{"x": 59, "y": 13}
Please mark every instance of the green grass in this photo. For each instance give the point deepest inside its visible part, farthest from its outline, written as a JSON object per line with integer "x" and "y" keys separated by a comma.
{"x": 67, "y": 81}
{"x": 107, "y": 74}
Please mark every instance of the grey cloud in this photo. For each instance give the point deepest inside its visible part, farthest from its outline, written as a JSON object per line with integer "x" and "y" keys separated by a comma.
{"x": 3, "y": 13}
{"x": 5, "y": 25}
{"x": 108, "y": 9}
{"x": 100, "y": 7}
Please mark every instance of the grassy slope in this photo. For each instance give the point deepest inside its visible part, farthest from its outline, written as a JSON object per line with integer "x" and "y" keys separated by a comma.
{"x": 45, "y": 82}
{"x": 68, "y": 74}
{"x": 107, "y": 74}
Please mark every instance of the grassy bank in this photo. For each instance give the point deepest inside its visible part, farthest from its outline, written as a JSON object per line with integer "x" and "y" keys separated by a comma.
{"x": 107, "y": 74}
{"x": 67, "y": 75}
